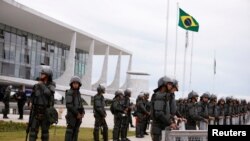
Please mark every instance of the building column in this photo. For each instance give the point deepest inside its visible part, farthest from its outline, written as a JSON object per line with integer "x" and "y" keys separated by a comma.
{"x": 70, "y": 64}
{"x": 125, "y": 85}
{"x": 104, "y": 74}
{"x": 115, "y": 85}
{"x": 87, "y": 78}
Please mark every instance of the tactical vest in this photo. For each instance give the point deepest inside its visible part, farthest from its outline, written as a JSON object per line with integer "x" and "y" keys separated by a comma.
{"x": 160, "y": 105}
{"x": 99, "y": 103}
{"x": 43, "y": 95}
{"x": 75, "y": 99}
{"x": 211, "y": 109}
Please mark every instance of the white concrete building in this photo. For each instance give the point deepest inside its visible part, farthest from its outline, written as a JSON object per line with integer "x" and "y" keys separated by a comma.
{"x": 29, "y": 38}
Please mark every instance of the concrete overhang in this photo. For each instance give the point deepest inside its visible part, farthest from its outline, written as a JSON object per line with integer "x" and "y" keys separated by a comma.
{"x": 27, "y": 19}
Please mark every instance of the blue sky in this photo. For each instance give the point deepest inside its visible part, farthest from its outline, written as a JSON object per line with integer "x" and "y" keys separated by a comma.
{"x": 139, "y": 26}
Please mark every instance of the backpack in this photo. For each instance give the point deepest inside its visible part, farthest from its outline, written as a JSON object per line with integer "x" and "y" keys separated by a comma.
{"x": 52, "y": 115}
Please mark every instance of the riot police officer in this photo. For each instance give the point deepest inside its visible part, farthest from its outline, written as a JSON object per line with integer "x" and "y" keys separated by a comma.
{"x": 212, "y": 110}
{"x": 75, "y": 109}
{"x": 125, "y": 119}
{"x": 228, "y": 111}
{"x": 221, "y": 111}
{"x": 141, "y": 114}
{"x": 148, "y": 107}
{"x": 160, "y": 110}
{"x": 100, "y": 114}
{"x": 192, "y": 111}
{"x": 6, "y": 101}
{"x": 203, "y": 109}
{"x": 174, "y": 111}
{"x": 119, "y": 114}
{"x": 20, "y": 96}
{"x": 42, "y": 97}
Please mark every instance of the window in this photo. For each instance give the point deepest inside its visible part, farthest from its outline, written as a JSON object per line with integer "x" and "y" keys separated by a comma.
{"x": 24, "y": 72}
{"x": 8, "y": 69}
{"x": 1, "y": 50}
{"x": 26, "y": 56}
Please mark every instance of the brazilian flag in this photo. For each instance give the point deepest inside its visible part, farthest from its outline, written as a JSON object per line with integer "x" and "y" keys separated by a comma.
{"x": 187, "y": 22}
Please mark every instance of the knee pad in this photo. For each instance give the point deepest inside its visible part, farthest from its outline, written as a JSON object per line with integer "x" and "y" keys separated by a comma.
{"x": 33, "y": 134}
{"x": 45, "y": 131}
{"x": 69, "y": 130}
{"x": 45, "y": 136}
{"x": 96, "y": 129}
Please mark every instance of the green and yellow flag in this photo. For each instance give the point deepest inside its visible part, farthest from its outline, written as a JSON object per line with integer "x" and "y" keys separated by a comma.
{"x": 187, "y": 22}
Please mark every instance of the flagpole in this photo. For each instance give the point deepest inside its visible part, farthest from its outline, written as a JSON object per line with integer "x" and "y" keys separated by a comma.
{"x": 176, "y": 39}
{"x": 214, "y": 71}
{"x": 166, "y": 40}
{"x": 191, "y": 62}
{"x": 184, "y": 68}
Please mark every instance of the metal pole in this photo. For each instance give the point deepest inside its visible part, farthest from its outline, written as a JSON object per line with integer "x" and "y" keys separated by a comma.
{"x": 166, "y": 40}
{"x": 191, "y": 62}
{"x": 184, "y": 68}
{"x": 214, "y": 72}
{"x": 176, "y": 39}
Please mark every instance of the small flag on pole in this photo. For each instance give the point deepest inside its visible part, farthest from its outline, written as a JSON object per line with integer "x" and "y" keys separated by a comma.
{"x": 187, "y": 22}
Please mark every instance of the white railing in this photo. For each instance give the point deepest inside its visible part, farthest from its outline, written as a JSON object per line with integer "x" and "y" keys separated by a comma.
{"x": 186, "y": 135}
{"x": 201, "y": 135}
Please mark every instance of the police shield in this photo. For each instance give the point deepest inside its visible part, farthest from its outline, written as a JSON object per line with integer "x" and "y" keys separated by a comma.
{"x": 227, "y": 120}
{"x": 242, "y": 120}
{"x": 182, "y": 125}
{"x": 237, "y": 120}
{"x": 234, "y": 120}
{"x": 203, "y": 125}
{"x": 211, "y": 122}
{"x": 221, "y": 121}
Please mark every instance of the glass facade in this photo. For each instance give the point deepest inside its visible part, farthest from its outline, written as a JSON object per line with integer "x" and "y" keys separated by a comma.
{"x": 21, "y": 54}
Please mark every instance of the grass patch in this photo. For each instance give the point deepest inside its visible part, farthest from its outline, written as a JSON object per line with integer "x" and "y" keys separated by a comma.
{"x": 17, "y": 132}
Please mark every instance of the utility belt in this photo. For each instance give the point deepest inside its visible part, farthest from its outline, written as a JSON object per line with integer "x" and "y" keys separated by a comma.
{"x": 80, "y": 110}
{"x": 39, "y": 109}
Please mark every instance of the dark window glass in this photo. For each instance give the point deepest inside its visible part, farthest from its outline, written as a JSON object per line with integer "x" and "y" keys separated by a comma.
{"x": 8, "y": 69}
{"x": 27, "y": 56}
{"x": 2, "y": 50}
{"x": 38, "y": 53}
{"x": 24, "y": 72}
{"x": 46, "y": 60}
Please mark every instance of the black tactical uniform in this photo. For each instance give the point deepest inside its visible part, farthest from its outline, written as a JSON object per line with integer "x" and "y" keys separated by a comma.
{"x": 221, "y": 111}
{"x": 148, "y": 107}
{"x": 141, "y": 116}
{"x": 119, "y": 114}
{"x": 6, "y": 101}
{"x": 203, "y": 108}
{"x": 192, "y": 111}
{"x": 160, "y": 110}
{"x": 100, "y": 114}
{"x": 228, "y": 110}
{"x": 127, "y": 115}
{"x": 42, "y": 97}
{"x": 75, "y": 108}
{"x": 20, "y": 96}
{"x": 244, "y": 111}
{"x": 212, "y": 110}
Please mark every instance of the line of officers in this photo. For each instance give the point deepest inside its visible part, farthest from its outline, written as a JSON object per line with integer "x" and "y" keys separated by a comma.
{"x": 162, "y": 110}
{"x": 167, "y": 113}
